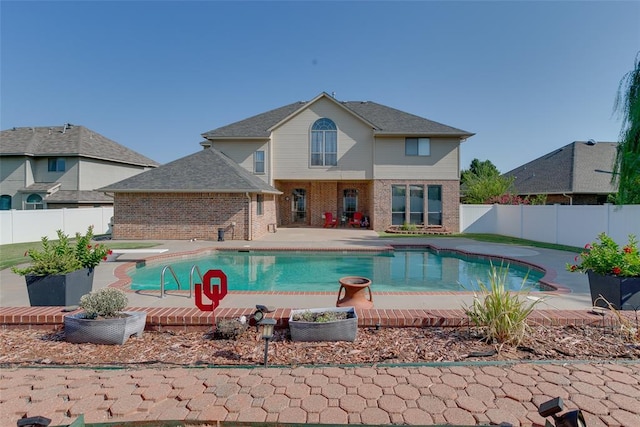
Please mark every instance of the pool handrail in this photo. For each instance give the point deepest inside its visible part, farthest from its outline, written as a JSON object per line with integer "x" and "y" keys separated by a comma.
{"x": 191, "y": 285}
{"x": 173, "y": 273}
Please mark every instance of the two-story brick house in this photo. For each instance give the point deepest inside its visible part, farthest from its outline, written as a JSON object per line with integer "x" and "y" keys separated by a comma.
{"x": 52, "y": 167}
{"x": 290, "y": 165}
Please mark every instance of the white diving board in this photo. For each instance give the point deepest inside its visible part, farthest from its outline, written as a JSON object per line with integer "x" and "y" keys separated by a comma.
{"x": 115, "y": 253}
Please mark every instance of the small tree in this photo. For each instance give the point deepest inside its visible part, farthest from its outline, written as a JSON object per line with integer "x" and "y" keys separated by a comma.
{"x": 626, "y": 169}
{"x": 482, "y": 181}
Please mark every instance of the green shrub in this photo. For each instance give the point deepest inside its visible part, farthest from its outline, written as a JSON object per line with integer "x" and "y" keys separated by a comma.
{"x": 62, "y": 256}
{"x": 105, "y": 302}
{"x": 500, "y": 314}
{"x": 409, "y": 227}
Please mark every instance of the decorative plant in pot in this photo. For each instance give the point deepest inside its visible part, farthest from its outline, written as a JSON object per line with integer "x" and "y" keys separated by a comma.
{"x": 104, "y": 320}
{"x": 324, "y": 324}
{"x": 62, "y": 270}
{"x": 614, "y": 272}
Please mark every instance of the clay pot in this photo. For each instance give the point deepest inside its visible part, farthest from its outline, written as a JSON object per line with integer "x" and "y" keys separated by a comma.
{"x": 357, "y": 292}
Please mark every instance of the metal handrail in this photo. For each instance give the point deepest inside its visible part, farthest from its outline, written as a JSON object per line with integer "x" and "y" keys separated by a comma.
{"x": 173, "y": 273}
{"x": 193, "y": 270}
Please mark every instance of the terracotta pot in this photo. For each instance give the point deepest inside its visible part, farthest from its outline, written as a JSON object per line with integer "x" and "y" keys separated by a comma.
{"x": 357, "y": 292}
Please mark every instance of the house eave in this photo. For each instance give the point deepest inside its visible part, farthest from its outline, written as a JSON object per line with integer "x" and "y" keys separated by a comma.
{"x": 462, "y": 135}
{"x": 191, "y": 190}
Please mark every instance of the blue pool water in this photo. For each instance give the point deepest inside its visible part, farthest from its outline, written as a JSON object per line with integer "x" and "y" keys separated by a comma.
{"x": 396, "y": 271}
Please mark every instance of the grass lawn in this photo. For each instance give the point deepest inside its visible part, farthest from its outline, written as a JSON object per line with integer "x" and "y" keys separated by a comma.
{"x": 14, "y": 254}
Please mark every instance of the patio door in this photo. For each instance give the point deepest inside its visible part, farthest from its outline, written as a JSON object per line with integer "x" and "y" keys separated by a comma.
{"x": 299, "y": 205}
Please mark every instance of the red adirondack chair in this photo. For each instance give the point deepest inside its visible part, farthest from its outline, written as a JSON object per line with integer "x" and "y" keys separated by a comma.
{"x": 357, "y": 217}
{"x": 329, "y": 221}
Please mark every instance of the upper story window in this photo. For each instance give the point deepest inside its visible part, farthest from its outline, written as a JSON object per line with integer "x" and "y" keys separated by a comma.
{"x": 258, "y": 162}
{"x": 417, "y": 146}
{"x": 324, "y": 143}
{"x": 56, "y": 164}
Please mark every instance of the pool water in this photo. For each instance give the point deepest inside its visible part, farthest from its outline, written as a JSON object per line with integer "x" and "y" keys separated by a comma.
{"x": 282, "y": 271}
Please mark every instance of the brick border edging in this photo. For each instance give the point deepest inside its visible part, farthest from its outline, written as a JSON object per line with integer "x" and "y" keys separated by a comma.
{"x": 192, "y": 319}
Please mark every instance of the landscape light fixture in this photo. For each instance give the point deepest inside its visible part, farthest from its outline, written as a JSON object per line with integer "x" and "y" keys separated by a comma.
{"x": 568, "y": 419}
{"x": 267, "y": 334}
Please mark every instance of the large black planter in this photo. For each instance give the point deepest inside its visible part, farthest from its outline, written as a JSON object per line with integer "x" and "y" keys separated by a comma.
{"x": 622, "y": 292}
{"x": 59, "y": 289}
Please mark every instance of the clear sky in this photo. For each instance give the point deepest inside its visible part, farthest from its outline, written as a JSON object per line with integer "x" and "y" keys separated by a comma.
{"x": 525, "y": 77}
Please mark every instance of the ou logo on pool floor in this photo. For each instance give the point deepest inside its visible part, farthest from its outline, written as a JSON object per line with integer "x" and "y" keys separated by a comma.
{"x": 214, "y": 292}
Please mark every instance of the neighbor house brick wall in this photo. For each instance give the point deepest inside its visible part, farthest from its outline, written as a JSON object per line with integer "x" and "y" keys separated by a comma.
{"x": 450, "y": 202}
{"x": 179, "y": 216}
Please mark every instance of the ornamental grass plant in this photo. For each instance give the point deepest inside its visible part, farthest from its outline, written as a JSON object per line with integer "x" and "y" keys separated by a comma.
{"x": 500, "y": 313}
{"x": 606, "y": 257}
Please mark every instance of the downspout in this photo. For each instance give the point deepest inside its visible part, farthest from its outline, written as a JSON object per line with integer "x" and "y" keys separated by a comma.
{"x": 249, "y": 234}
{"x": 568, "y": 197}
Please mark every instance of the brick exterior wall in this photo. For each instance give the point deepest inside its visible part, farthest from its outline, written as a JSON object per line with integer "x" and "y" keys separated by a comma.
{"x": 450, "y": 202}
{"x": 184, "y": 216}
{"x": 322, "y": 196}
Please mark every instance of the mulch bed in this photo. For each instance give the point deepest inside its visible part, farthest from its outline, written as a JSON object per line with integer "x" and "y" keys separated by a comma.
{"x": 372, "y": 346}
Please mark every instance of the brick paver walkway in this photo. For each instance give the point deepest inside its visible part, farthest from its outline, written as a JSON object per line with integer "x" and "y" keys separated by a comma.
{"x": 607, "y": 393}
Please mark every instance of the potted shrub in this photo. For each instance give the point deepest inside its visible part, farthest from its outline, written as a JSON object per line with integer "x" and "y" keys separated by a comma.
{"x": 62, "y": 271}
{"x": 104, "y": 320}
{"x": 324, "y": 324}
{"x": 614, "y": 272}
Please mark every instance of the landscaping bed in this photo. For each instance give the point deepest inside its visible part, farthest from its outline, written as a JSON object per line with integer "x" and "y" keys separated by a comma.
{"x": 385, "y": 345}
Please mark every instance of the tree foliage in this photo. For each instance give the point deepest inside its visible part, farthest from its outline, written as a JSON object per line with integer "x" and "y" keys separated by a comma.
{"x": 626, "y": 170}
{"x": 482, "y": 182}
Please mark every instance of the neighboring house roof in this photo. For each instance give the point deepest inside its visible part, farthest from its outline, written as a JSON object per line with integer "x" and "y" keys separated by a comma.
{"x": 582, "y": 167}
{"x": 385, "y": 120}
{"x": 78, "y": 196}
{"x": 205, "y": 171}
{"x": 67, "y": 140}
{"x": 41, "y": 187}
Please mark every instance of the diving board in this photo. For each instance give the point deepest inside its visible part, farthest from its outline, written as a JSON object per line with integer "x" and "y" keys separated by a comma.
{"x": 115, "y": 253}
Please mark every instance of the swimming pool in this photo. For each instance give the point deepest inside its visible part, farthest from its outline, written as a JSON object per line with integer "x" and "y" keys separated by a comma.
{"x": 406, "y": 270}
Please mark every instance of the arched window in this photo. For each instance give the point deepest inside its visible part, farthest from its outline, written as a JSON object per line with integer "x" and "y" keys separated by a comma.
{"x": 34, "y": 201}
{"x": 324, "y": 143}
{"x": 5, "y": 202}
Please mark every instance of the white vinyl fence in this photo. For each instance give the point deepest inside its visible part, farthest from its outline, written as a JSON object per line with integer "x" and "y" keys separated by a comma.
{"x": 568, "y": 225}
{"x": 574, "y": 225}
{"x": 30, "y": 225}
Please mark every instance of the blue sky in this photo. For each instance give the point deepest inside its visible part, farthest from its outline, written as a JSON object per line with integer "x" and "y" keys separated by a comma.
{"x": 525, "y": 77}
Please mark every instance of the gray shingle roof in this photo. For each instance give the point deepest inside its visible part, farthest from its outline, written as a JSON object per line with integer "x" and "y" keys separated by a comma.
{"x": 78, "y": 197}
{"x": 67, "y": 141}
{"x": 205, "y": 171}
{"x": 576, "y": 168}
{"x": 384, "y": 119}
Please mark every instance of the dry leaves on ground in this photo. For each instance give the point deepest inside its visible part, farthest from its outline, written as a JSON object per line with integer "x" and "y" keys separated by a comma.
{"x": 386, "y": 345}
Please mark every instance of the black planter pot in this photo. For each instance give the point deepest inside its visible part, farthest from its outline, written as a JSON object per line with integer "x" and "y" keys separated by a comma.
{"x": 59, "y": 289}
{"x": 622, "y": 292}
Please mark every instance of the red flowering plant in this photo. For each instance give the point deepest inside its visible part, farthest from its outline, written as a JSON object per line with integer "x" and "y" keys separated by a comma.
{"x": 605, "y": 257}
{"x": 61, "y": 256}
